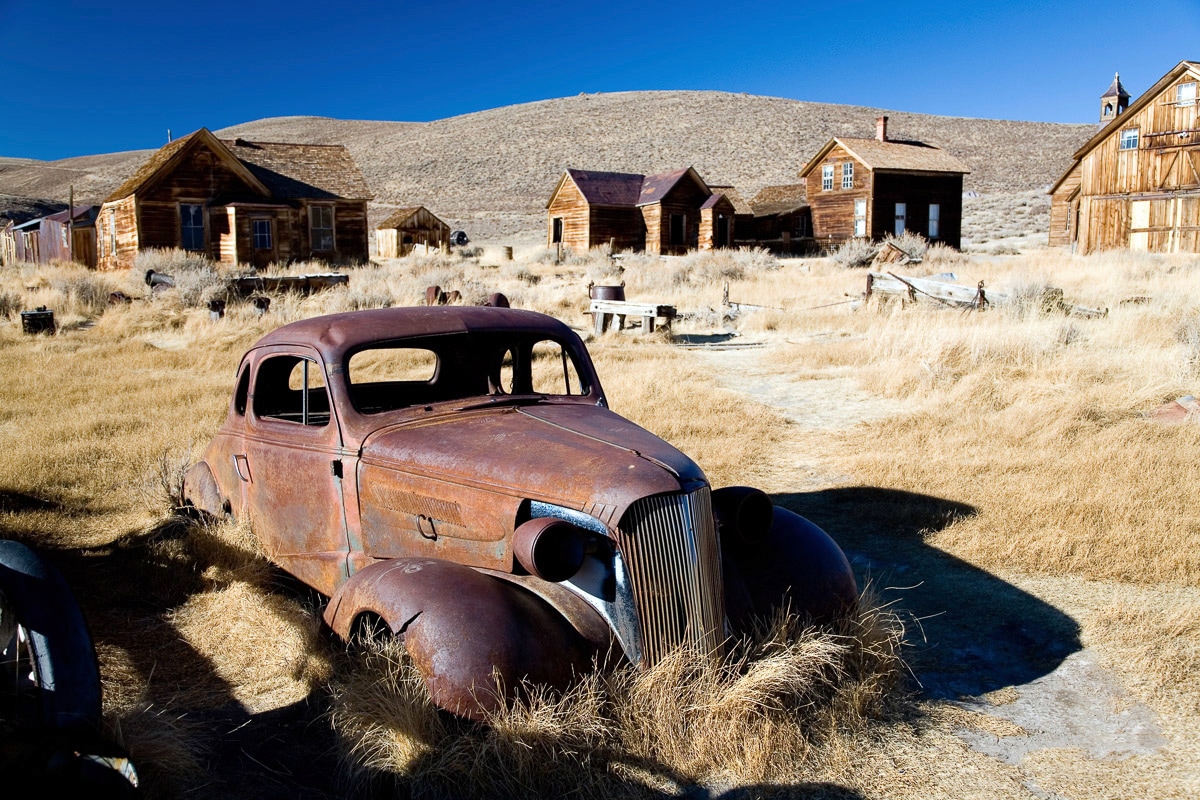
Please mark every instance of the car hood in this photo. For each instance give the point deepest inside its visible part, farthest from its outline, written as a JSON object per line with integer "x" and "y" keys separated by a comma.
{"x": 579, "y": 456}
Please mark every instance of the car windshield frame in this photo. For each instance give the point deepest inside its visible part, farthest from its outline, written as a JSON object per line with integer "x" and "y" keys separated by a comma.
{"x": 468, "y": 372}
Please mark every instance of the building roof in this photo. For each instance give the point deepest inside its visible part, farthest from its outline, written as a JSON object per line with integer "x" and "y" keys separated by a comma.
{"x": 779, "y": 199}
{"x": 1118, "y": 122}
{"x": 656, "y": 187}
{"x": 891, "y": 156}
{"x": 740, "y": 206}
{"x": 294, "y": 171}
{"x": 402, "y": 215}
{"x": 282, "y": 171}
{"x": 607, "y": 188}
{"x": 625, "y": 188}
{"x": 714, "y": 199}
{"x": 1116, "y": 89}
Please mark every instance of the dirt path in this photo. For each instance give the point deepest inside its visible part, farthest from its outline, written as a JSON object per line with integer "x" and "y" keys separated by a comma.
{"x": 1005, "y": 660}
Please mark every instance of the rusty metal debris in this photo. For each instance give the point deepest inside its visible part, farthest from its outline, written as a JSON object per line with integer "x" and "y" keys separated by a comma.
{"x": 454, "y": 475}
{"x": 40, "y": 320}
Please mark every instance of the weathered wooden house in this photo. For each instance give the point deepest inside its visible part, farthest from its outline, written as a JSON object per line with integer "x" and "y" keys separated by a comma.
{"x": 239, "y": 202}
{"x": 662, "y": 214}
{"x": 56, "y": 237}
{"x": 407, "y": 228}
{"x": 1136, "y": 183}
{"x": 873, "y": 187}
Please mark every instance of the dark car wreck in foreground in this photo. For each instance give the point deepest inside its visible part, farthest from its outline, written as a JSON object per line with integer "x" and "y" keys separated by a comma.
{"x": 455, "y": 475}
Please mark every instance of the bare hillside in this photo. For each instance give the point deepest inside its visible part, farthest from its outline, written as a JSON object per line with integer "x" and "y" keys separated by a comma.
{"x": 492, "y": 171}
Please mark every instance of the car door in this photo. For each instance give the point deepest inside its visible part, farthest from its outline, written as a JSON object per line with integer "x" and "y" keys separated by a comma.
{"x": 291, "y": 467}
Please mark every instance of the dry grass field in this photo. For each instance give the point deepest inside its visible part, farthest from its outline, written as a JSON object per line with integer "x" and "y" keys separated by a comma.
{"x": 492, "y": 172}
{"x": 1026, "y": 529}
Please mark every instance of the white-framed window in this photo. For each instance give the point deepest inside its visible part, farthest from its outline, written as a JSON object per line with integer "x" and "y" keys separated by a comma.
{"x": 320, "y": 225}
{"x": 1129, "y": 139}
{"x": 191, "y": 226}
{"x": 860, "y": 217}
{"x": 1185, "y": 94}
{"x": 848, "y": 175}
{"x": 901, "y": 217}
{"x": 827, "y": 177}
{"x": 935, "y": 220}
{"x": 262, "y": 234}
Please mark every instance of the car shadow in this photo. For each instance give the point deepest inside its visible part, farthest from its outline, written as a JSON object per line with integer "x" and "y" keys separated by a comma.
{"x": 969, "y": 632}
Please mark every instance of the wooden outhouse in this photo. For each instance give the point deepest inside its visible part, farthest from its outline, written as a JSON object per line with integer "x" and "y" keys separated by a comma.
{"x": 409, "y": 228}
{"x": 874, "y": 187}
{"x": 1136, "y": 183}
{"x": 659, "y": 214}
{"x": 239, "y": 202}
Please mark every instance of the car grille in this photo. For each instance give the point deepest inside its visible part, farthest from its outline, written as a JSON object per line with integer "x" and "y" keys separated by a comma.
{"x": 673, "y": 557}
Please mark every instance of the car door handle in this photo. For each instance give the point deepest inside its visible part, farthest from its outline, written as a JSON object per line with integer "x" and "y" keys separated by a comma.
{"x": 241, "y": 465}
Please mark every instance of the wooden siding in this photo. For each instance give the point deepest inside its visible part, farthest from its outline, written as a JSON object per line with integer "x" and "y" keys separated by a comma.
{"x": 1064, "y": 210}
{"x": 620, "y": 228}
{"x": 721, "y": 213}
{"x": 569, "y": 205}
{"x": 1144, "y": 198}
{"x": 117, "y": 240}
{"x": 198, "y": 177}
{"x": 833, "y": 209}
{"x": 419, "y": 228}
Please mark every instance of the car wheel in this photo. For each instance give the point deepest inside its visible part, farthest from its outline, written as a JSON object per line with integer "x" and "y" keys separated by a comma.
{"x": 47, "y": 663}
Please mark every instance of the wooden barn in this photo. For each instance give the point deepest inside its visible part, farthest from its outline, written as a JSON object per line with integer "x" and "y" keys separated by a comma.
{"x": 873, "y": 187}
{"x": 1136, "y": 183}
{"x": 239, "y": 202}
{"x": 56, "y": 237}
{"x": 661, "y": 214}
{"x": 407, "y": 228}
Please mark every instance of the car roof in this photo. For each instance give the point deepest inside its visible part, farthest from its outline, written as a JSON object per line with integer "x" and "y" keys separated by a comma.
{"x": 334, "y": 334}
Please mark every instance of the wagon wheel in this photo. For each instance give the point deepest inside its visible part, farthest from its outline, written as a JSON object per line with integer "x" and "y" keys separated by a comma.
{"x": 48, "y": 672}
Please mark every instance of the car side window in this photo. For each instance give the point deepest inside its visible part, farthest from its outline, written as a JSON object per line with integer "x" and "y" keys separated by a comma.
{"x": 242, "y": 393}
{"x": 292, "y": 389}
{"x": 553, "y": 371}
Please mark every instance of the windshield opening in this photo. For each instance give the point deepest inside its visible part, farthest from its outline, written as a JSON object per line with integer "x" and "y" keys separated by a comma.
{"x": 466, "y": 366}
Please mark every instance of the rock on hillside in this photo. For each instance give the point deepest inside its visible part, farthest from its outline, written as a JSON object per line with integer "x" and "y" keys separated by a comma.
{"x": 492, "y": 171}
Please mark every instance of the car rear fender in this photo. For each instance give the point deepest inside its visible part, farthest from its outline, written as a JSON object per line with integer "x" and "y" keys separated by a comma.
{"x": 200, "y": 490}
{"x": 465, "y": 630}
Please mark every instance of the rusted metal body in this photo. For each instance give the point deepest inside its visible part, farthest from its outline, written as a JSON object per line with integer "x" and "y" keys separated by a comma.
{"x": 455, "y": 473}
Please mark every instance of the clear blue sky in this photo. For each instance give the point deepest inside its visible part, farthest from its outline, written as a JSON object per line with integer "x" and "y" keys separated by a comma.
{"x": 79, "y": 78}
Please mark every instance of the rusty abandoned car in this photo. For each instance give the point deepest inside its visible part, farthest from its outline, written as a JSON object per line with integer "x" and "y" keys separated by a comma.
{"x": 454, "y": 475}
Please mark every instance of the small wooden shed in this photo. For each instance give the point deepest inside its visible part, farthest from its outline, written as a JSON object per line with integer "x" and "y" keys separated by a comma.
{"x": 408, "y": 228}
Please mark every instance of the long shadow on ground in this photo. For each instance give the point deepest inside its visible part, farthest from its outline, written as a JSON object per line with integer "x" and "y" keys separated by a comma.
{"x": 972, "y": 633}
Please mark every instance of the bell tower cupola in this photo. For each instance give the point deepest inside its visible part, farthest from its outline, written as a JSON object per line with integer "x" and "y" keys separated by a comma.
{"x": 1114, "y": 101}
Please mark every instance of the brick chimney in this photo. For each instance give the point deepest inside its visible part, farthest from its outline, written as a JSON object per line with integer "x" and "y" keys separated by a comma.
{"x": 881, "y": 128}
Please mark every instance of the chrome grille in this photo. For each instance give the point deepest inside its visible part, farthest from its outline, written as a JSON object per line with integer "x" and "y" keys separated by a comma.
{"x": 673, "y": 558}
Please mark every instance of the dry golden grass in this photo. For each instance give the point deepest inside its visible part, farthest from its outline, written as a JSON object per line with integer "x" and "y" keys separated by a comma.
{"x": 771, "y": 712}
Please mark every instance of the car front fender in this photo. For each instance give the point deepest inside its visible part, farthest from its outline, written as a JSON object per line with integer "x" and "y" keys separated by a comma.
{"x": 465, "y": 629}
{"x": 797, "y": 566}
